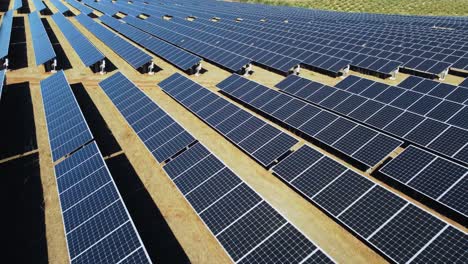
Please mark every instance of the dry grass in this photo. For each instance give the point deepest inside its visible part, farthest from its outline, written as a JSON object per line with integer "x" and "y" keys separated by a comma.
{"x": 404, "y": 7}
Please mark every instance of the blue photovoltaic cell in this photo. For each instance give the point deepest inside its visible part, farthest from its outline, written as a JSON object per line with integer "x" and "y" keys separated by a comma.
{"x": 97, "y": 225}
{"x": 66, "y": 125}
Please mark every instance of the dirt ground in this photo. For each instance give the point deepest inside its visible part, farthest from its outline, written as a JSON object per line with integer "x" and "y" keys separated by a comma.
{"x": 198, "y": 243}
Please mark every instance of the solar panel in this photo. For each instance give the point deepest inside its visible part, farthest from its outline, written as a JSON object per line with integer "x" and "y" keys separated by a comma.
{"x": 17, "y": 4}
{"x": 81, "y": 7}
{"x": 409, "y": 112}
{"x": 61, "y": 7}
{"x": 321, "y": 125}
{"x": 260, "y": 140}
{"x": 98, "y": 226}
{"x": 66, "y": 125}
{"x": 87, "y": 52}
{"x": 464, "y": 83}
{"x": 245, "y": 225}
{"x": 161, "y": 134}
{"x": 408, "y": 232}
{"x": 131, "y": 54}
{"x": 5, "y": 33}
{"x": 43, "y": 50}
{"x": 398, "y": 229}
{"x": 428, "y": 174}
{"x": 39, "y": 5}
{"x": 342, "y": 192}
{"x": 368, "y": 214}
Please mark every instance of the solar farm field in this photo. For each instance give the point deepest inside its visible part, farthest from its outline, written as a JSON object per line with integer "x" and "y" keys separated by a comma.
{"x": 177, "y": 131}
{"x": 401, "y": 7}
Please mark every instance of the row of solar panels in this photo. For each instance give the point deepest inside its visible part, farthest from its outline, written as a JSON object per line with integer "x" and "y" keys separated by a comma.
{"x": 43, "y": 49}
{"x": 438, "y": 179}
{"x": 362, "y": 144}
{"x": 87, "y": 52}
{"x": 272, "y": 50}
{"x": 131, "y": 54}
{"x": 434, "y": 177}
{"x": 400, "y": 230}
{"x": 5, "y": 33}
{"x": 375, "y": 214}
{"x": 333, "y": 39}
{"x": 362, "y": 57}
{"x": 231, "y": 54}
{"x": 39, "y": 5}
{"x": 60, "y": 6}
{"x": 98, "y": 227}
{"x": 263, "y": 142}
{"x": 396, "y": 111}
{"x": 227, "y": 59}
{"x": 176, "y": 56}
{"x": 248, "y": 228}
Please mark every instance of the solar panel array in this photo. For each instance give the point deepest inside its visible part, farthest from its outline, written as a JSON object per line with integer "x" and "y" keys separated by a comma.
{"x": 319, "y": 43}
{"x": 60, "y": 6}
{"x": 367, "y": 41}
{"x": 2, "y": 81}
{"x": 440, "y": 90}
{"x": 80, "y": 6}
{"x": 439, "y": 179}
{"x": 98, "y": 227}
{"x": 356, "y": 141}
{"x": 131, "y": 54}
{"x": 398, "y": 229}
{"x": 66, "y": 124}
{"x": 43, "y": 50}
{"x": 179, "y": 57}
{"x": 161, "y": 134}
{"x": 417, "y": 118}
{"x": 248, "y": 228}
{"x": 87, "y": 52}
{"x": 101, "y": 7}
{"x": 39, "y": 5}
{"x": 226, "y": 59}
{"x": 263, "y": 142}
{"x": 5, "y": 33}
